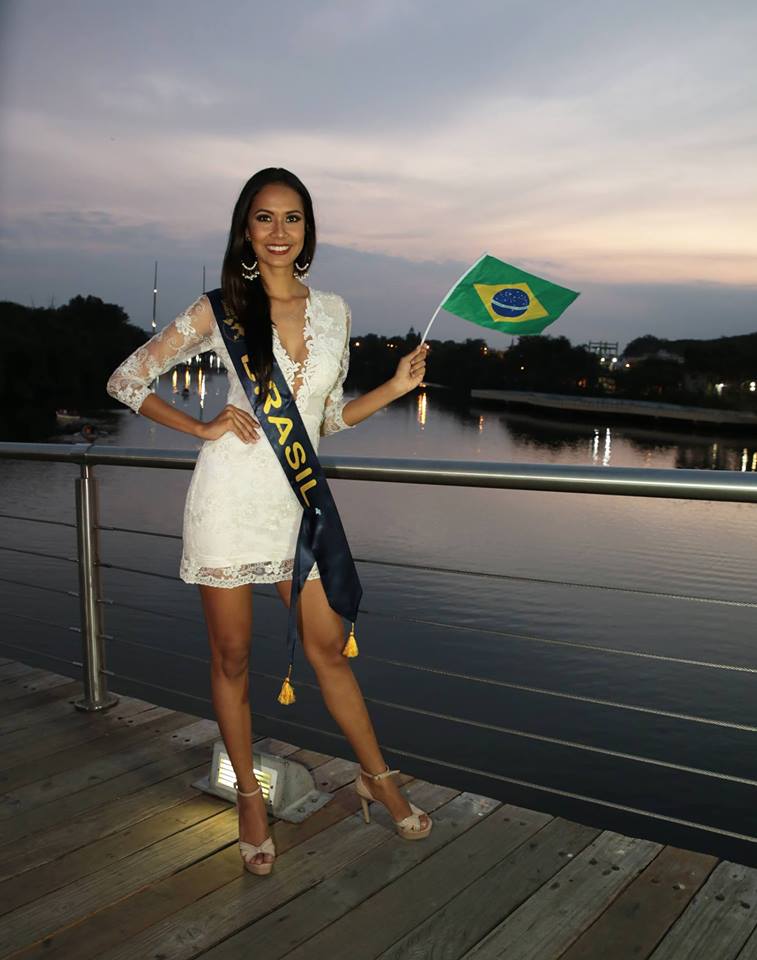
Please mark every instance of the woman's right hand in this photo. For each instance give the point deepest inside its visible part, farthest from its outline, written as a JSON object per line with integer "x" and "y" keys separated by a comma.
{"x": 232, "y": 418}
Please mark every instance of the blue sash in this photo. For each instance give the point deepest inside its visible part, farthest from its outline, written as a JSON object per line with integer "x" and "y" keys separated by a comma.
{"x": 321, "y": 537}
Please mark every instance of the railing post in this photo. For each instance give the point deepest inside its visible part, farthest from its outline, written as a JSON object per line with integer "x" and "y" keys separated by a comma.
{"x": 96, "y": 696}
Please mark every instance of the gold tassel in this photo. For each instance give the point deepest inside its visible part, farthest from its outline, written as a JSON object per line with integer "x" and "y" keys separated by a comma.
{"x": 350, "y": 647}
{"x": 286, "y": 694}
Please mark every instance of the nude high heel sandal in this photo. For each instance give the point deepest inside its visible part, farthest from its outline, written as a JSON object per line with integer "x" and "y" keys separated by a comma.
{"x": 410, "y": 826}
{"x": 250, "y": 850}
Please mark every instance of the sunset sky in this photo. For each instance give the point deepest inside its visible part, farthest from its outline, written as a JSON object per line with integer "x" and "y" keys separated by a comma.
{"x": 609, "y": 146}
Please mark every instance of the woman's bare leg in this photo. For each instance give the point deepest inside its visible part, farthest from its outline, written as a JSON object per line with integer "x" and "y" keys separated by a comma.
{"x": 322, "y": 632}
{"x": 228, "y": 615}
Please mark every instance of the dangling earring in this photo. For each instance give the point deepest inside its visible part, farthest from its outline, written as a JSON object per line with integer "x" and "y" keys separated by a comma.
{"x": 302, "y": 272}
{"x": 253, "y": 271}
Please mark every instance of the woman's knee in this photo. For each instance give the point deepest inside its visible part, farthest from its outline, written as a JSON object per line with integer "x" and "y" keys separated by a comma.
{"x": 230, "y": 654}
{"x": 323, "y": 650}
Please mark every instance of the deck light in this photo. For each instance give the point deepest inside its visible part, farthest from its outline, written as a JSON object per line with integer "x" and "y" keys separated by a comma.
{"x": 288, "y": 787}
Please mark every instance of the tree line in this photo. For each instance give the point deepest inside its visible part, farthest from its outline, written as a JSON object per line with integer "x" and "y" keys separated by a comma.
{"x": 61, "y": 357}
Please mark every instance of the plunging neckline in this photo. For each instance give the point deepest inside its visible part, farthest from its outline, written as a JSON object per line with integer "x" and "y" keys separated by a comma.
{"x": 299, "y": 367}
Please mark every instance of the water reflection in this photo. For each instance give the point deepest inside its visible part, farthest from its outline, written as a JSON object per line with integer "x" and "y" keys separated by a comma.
{"x": 602, "y": 444}
{"x": 552, "y": 435}
{"x": 422, "y": 407}
{"x": 197, "y": 386}
{"x": 718, "y": 456}
{"x": 456, "y": 431}
{"x": 606, "y": 447}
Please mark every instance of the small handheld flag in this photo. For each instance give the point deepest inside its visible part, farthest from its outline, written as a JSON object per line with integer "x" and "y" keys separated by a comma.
{"x": 496, "y": 294}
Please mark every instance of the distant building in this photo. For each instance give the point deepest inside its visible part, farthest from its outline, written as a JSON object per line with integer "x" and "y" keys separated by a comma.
{"x": 607, "y": 351}
{"x": 655, "y": 355}
{"x": 603, "y": 348}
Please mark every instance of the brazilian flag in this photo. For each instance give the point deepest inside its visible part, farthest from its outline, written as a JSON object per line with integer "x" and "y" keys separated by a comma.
{"x": 496, "y": 294}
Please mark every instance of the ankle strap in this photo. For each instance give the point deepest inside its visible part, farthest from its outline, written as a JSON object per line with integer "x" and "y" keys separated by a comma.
{"x": 243, "y": 794}
{"x": 378, "y": 776}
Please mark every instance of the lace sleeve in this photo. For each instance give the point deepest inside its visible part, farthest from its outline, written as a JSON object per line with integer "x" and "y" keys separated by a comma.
{"x": 335, "y": 402}
{"x": 189, "y": 334}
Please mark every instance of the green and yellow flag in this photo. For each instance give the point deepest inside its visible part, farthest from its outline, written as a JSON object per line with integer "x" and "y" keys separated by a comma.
{"x": 496, "y": 294}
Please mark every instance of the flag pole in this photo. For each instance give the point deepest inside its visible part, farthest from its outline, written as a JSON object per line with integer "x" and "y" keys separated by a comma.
{"x": 423, "y": 338}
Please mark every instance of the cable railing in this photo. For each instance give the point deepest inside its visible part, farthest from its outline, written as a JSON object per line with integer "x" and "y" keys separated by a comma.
{"x": 728, "y": 486}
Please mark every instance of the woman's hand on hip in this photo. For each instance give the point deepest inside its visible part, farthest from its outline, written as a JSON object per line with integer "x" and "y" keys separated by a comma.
{"x": 233, "y": 419}
{"x": 410, "y": 370}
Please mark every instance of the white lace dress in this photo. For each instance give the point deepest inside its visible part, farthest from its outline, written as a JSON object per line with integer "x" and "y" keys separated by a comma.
{"x": 241, "y": 516}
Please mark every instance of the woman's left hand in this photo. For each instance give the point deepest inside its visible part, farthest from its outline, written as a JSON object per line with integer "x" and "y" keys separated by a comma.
{"x": 410, "y": 370}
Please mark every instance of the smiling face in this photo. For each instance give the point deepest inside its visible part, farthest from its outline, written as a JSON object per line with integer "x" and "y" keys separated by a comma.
{"x": 276, "y": 225}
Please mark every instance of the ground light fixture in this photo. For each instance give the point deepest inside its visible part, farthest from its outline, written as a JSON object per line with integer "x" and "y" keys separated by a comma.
{"x": 288, "y": 787}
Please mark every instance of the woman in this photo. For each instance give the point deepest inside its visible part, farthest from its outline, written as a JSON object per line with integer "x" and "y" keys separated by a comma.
{"x": 241, "y": 516}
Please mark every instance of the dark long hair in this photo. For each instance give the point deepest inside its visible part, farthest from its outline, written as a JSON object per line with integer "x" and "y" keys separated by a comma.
{"x": 247, "y": 299}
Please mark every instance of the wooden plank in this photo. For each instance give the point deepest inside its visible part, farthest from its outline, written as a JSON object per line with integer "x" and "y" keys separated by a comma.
{"x": 27, "y": 719}
{"x": 719, "y": 919}
{"x": 112, "y": 850}
{"x": 386, "y": 893}
{"x": 119, "y": 921}
{"x": 142, "y": 865}
{"x": 749, "y": 951}
{"x": 57, "y": 909}
{"x": 554, "y": 916}
{"x": 123, "y": 813}
{"x": 33, "y": 882}
{"x": 56, "y": 734}
{"x": 465, "y": 915}
{"x": 311, "y": 758}
{"x": 40, "y": 848}
{"x": 94, "y": 892}
{"x": 26, "y": 674}
{"x": 12, "y": 671}
{"x": 277, "y": 747}
{"x": 179, "y": 757}
{"x": 144, "y": 727}
{"x": 116, "y": 733}
{"x": 300, "y": 866}
{"x": 106, "y": 767}
{"x": 26, "y": 685}
{"x": 61, "y": 697}
{"x": 634, "y": 924}
{"x": 26, "y": 853}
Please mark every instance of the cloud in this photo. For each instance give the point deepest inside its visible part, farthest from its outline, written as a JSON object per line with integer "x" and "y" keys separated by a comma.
{"x": 601, "y": 143}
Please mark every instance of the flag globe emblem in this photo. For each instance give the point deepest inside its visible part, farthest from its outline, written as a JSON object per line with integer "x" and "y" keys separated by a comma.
{"x": 510, "y": 303}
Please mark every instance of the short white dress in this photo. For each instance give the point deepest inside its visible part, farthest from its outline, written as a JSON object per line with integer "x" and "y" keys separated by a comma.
{"x": 241, "y": 516}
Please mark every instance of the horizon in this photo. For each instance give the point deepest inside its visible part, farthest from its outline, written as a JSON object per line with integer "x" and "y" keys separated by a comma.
{"x": 513, "y": 337}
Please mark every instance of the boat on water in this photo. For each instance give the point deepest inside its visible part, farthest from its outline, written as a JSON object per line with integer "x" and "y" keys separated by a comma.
{"x": 67, "y": 416}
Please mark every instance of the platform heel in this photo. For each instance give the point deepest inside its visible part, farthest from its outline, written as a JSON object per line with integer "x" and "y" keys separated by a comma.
{"x": 409, "y": 828}
{"x": 249, "y": 851}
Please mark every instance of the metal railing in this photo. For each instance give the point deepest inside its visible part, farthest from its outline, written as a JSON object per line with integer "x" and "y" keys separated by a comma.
{"x": 613, "y": 481}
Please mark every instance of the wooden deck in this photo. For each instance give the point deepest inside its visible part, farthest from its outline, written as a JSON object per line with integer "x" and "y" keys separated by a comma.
{"x": 108, "y": 851}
